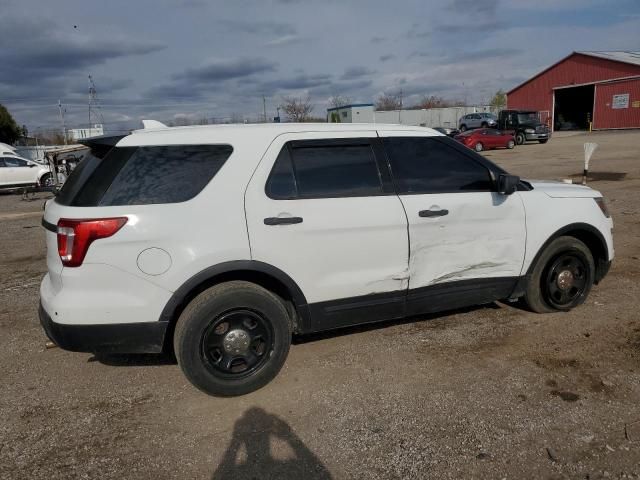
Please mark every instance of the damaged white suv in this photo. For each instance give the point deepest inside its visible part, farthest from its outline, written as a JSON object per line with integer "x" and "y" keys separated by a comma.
{"x": 221, "y": 242}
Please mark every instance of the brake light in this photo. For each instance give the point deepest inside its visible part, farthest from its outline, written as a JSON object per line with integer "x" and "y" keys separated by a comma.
{"x": 75, "y": 236}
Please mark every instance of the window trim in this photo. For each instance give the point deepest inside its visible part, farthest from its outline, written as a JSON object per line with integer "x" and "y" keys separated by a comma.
{"x": 493, "y": 174}
{"x": 386, "y": 187}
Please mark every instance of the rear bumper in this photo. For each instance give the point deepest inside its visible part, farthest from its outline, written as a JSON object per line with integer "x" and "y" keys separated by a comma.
{"x": 144, "y": 337}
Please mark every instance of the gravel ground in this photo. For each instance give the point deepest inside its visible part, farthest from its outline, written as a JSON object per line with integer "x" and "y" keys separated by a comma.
{"x": 490, "y": 392}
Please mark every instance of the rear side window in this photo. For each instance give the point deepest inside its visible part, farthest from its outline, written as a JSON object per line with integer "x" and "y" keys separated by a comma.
{"x": 151, "y": 175}
{"x": 305, "y": 170}
{"x": 425, "y": 165}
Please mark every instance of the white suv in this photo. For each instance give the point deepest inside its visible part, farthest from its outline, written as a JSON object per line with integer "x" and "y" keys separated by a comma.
{"x": 18, "y": 172}
{"x": 223, "y": 241}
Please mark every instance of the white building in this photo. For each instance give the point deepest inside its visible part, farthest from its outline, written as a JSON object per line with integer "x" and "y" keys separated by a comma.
{"x": 75, "y": 134}
{"x": 430, "y": 117}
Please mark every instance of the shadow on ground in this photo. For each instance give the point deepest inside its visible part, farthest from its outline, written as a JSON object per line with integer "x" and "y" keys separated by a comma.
{"x": 264, "y": 446}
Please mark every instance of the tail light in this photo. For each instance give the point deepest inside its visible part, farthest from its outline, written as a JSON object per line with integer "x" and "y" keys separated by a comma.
{"x": 75, "y": 236}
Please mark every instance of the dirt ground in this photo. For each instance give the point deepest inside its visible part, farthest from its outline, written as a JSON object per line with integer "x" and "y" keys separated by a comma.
{"x": 490, "y": 392}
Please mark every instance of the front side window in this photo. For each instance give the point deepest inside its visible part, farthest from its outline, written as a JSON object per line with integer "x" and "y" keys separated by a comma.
{"x": 308, "y": 170}
{"x": 426, "y": 165}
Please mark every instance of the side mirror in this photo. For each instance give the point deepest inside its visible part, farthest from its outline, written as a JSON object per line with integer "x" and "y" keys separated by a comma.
{"x": 507, "y": 184}
{"x": 31, "y": 165}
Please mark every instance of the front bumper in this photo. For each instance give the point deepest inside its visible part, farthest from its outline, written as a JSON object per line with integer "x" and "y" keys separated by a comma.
{"x": 537, "y": 136}
{"x": 144, "y": 337}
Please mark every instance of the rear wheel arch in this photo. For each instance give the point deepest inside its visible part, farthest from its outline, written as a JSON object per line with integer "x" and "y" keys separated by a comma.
{"x": 587, "y": 234}
{"x": 267, "y": 276}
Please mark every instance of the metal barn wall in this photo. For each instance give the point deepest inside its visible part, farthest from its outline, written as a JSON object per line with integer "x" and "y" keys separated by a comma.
{"x": 605, "y": 116}
{"x": 537, "y": 94}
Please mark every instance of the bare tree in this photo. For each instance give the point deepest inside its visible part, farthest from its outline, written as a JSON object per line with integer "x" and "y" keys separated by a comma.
{"x": 432, "y": 101}
{"x": 499, "y": 100}
{"x": 388, "y": 101}
{"x": 297, "y": 109}
{"x": 337, "y": 101}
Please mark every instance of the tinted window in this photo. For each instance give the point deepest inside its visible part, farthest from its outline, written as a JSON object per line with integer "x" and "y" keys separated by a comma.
{"x": 424, "y": 165}
{"x": 282, "y": 183}
{"x": 1, "y": 162}
{"x": 14, "y": 162}
{"x": 325, "y": 171}
{"x": 147, "y": 175}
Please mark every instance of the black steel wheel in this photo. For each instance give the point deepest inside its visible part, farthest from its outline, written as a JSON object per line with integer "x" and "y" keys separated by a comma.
{"x": 566, "y": 280}
{"x": 562, "y": 276}
{"x": 46, "y": 180}
{"x": 233, "y": 338}
{"x": 236, "y": 343}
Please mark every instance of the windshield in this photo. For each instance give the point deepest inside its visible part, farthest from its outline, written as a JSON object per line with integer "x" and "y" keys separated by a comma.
{"x": 528, "y": 117}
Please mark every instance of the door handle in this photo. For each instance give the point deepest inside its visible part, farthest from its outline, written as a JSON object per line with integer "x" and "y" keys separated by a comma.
{"x": 433, "y": 213}
{"x": 282, "y": 220}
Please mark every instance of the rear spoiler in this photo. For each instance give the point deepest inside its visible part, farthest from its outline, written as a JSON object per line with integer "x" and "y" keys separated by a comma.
{"x": 101, "y": 145}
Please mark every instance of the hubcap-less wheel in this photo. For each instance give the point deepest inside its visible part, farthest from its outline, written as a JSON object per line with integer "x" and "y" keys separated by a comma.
{"x": 47, "y": 181}
{"x": 566, "y": 280}
{"x": 236, "y": 343}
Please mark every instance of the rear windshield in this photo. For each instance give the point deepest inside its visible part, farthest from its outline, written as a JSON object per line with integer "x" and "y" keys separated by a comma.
{"x": 143, "y": 175}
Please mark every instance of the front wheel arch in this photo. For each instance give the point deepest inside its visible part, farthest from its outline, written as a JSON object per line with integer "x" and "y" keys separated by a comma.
{"x": 587, "y": 234}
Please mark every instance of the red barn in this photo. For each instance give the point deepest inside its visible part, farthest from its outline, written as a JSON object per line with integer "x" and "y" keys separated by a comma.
{"x": 598, "y": 87}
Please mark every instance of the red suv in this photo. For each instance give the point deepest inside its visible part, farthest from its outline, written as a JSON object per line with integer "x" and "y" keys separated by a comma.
{"x": 486, "y": 139}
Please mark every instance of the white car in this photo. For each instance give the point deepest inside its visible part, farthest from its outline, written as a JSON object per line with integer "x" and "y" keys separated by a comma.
{"x": 18, "y": 172}
{"x": 221, "y": 242}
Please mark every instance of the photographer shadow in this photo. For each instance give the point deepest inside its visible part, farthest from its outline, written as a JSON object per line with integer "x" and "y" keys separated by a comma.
{"x": 257, "y": 436}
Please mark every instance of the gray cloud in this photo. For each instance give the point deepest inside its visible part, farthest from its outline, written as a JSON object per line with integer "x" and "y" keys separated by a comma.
{"x": 220, "y": 70}
{"x": 260, "y": 27}
{"x": 356, "y": 71}
{"x": 40, "y": 47}
{"x": 388, "y": 56}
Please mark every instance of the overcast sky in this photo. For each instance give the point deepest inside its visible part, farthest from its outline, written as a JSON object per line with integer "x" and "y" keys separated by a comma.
{"x": 164, "y": 59}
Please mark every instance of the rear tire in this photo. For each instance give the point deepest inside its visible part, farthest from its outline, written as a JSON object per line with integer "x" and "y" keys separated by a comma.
{"x": 520, "y": 138}
{"x": 232, "y": 339}
{"x": 463, "y": 128}
{"x": 478, "y": 147}
{"x": 562, "y": 277}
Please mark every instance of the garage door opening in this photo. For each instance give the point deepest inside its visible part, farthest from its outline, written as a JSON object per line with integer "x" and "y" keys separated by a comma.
{"x": 573, "y": 108}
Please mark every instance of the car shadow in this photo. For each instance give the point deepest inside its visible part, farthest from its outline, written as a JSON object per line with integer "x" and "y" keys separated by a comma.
{"x": 264, "y": 446}
{"x": 168, "y": 358}
{"x": 134, "y": 360}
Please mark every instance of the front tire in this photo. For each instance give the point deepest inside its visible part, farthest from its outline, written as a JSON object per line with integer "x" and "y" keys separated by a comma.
{"x": 520, "y": 138}
{"x": 511, "y": 144}
{"x": 478, "y": 147}
{"x": 46, "y": 180}
{"x": 232, "y": 339}
{"x": 562, "y": 277}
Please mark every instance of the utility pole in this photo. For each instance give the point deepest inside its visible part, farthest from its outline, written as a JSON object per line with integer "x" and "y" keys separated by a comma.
{"x": 400, "y": 111}
{"x": 264, "y": 109}
{"x": 61, "y": 112}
